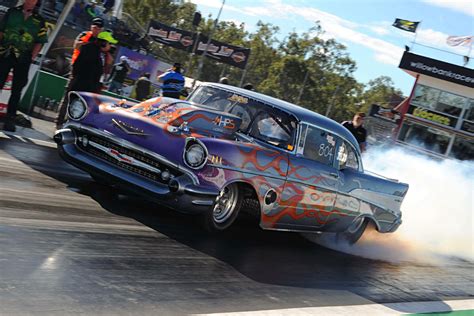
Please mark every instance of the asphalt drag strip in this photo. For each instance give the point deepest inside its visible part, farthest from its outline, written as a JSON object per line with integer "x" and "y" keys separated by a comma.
{"x": 70, "y": 246}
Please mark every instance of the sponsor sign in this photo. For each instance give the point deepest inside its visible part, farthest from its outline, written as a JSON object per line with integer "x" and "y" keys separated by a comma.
{"x": 225, "y": 53}
{"x": 184, "y": 40}
{"x": 139, "y": 63}
{"x": 171, "y": 36}
{"x": 431, "y": 116}
{"x": 438, "y": 69}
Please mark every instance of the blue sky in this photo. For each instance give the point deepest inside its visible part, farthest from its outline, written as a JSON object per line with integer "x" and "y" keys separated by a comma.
{"x": 365, "y": 27}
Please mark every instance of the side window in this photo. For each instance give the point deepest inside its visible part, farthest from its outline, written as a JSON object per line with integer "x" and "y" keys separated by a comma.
{"x": 319, "y": 145}
{"x": 347, "y": 157}
{"x": 273, "y": 129}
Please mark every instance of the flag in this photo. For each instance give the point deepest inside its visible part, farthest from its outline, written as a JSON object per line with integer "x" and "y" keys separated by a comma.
{"x": 406, "y": 25}
{"x": 459, "y": 40}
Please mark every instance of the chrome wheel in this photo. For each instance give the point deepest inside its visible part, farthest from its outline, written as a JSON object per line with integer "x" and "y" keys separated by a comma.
{"x": 225, "y": 210}
{"x": 226, "y": 204}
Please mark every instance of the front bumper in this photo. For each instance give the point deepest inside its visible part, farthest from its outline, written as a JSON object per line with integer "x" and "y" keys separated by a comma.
{"x": 182, "y": 193}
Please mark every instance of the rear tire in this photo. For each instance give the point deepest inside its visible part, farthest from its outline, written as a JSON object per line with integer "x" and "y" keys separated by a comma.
{"x": 225, "y": 210}
{"x": 354, "y": 232}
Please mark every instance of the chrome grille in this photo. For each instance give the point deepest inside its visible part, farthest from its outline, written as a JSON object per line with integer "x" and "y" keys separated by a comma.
{"x": 144, "y": 159}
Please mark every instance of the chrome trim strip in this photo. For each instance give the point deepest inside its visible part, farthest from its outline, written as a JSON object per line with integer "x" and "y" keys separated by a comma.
{"x": 127, "y": 144}
{"x": 119, "y": 125}
{"x": 247, "y": 171}
{"x": 392, "y": 205}
{"x": 202, "y": 203}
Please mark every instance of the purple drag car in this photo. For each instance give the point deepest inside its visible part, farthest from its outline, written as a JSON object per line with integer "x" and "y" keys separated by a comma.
{"x": 229, "y": 150}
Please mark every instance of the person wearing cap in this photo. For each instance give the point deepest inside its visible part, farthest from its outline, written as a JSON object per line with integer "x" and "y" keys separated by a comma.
{"x": 22, "y": 34}
{"x": 87, "y": 70}
{"x": 119, "y": 73}
{"x": 172, "y": 82}
{"x": 86, "y": 36}
{"x": 357, "y": 129}
{"x": 224, "y": 80}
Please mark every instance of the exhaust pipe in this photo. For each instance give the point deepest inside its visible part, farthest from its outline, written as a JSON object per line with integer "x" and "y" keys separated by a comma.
{"x": 64, "y": 136}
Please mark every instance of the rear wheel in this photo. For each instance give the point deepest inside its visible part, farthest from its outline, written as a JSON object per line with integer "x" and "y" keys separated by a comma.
{"x": 225, "y": 210}
{"x": 354, "y": 232}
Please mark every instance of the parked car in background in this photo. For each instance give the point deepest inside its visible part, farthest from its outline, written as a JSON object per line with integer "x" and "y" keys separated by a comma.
{"x": 228, "y": 150}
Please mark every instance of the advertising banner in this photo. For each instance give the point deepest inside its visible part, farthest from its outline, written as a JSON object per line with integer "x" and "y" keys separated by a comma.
{"x": 432, "y": 116}
{"x": 225, "y": 53}
{"x": 171, "y": 36}
{"x": 437, "y": 69}
{"x": 184, "y": 40}
{"x": 139, "y": 63}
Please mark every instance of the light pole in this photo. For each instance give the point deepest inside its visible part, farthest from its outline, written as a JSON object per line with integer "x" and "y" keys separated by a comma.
{"x": 201, "y": 61}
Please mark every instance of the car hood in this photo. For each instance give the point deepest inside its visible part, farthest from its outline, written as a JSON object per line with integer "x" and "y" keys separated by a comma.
{"x": 162, "y": 124}
{"x": 173, "y": 114}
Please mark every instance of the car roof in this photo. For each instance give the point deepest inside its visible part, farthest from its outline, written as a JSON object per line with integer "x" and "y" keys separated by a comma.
{"x": 302, "y": 114}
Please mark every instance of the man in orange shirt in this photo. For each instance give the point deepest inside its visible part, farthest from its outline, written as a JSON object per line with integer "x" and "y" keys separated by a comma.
{"x": 82, "y": 39}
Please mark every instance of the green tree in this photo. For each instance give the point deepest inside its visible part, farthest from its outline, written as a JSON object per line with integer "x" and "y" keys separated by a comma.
{"x": 381, "y": 91}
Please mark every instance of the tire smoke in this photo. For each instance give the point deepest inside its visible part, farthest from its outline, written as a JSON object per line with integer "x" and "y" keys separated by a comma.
{"x": 436, "y": 213}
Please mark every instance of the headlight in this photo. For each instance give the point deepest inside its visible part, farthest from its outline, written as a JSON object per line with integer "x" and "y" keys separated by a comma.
{"x": 195, "y": 155}
{"x": 76, "y": 109}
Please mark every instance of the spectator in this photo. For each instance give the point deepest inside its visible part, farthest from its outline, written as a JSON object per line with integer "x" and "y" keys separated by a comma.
{"x": 78, "y": 14}
{"x": 142, "y": 87}
{"x": 91, "y": 11}
{"x": 248, "y": 86}
{"x": 22, "y": 34}
{"x": 172, "y": 82}
{"x": 89, "y": 67}
{"x": 108, "y": 5}
{"x": 119, "y": 73}
{"x": 356, "y": 128}
{"x": 224, "y": 80}
{"x": 86, "y": 36}
{"x": 82, "y": 39}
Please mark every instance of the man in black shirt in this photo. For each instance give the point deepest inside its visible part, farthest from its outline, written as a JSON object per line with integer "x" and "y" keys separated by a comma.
{"x": 356, "y": 128}
{"x": 142, "y": 87}
{"x": 118, "y": 75}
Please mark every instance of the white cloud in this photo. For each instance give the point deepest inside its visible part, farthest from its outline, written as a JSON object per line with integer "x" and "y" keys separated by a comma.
{"x": 335, "y": 27}
{"x": 463, "y": 6}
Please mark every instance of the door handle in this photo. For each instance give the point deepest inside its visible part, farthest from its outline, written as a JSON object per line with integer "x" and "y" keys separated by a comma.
{"x": 334, "y": 174}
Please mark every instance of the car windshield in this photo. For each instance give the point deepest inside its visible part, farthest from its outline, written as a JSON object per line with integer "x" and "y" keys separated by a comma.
{"x": 259, "y": 120}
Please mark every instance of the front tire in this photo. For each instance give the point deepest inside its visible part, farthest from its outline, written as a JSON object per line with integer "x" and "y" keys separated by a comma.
{"x": 225, "y": 210}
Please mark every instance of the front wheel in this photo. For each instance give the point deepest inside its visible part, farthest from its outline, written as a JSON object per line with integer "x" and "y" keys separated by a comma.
{"x": 354, "y": 232}
{"x": 225, "y": 209}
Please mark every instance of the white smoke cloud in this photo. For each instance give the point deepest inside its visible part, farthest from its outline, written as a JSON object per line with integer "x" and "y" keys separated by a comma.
{"x": 437, "y": 210}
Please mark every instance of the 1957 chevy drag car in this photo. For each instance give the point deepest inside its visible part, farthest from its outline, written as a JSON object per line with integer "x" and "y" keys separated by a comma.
{"x": 225, "y": 146}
